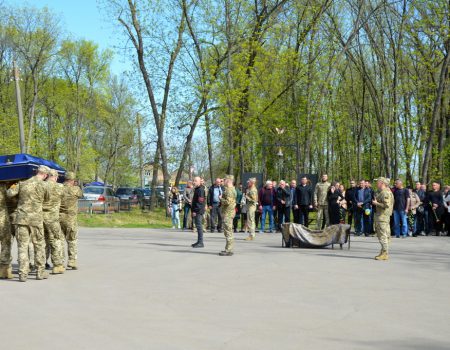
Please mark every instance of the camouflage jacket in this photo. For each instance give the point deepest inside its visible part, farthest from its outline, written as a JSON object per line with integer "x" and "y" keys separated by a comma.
{"x": 228, "y": 201}
{"x": 252, "y": 196}
{"x": 32, "y": 193}
{"x": 69, "y": 202}
{"x": 320, "y": 193}
{"x": 52, "y": 204}
{"x": 385, "y": 205}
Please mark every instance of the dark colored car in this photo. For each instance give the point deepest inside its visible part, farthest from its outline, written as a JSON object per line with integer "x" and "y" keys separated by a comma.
{"x": 134, "y": 195}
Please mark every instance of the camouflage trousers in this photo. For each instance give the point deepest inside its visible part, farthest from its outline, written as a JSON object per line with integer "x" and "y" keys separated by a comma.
{"x": 35, "y": 234}
{"x": 383, "y": 231}
{"x": 251, "y": 210}
{"x": 69, "y": 230}
{"x": 322, "y": 214}
{"x": 54, "y": 241}
{"x": 6, "y": 244}
{"x": 227, "y": 225}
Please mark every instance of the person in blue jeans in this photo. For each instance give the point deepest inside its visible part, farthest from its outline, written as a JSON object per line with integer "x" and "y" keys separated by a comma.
{"x": 401, "y": 208}
{"x": 267, "y": 203}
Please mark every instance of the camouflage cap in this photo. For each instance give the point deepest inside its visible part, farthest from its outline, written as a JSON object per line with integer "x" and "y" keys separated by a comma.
{"x": 70, "y": 175}
{"x": 229, "y": 177}
{"x": 384, "y": 180}
{"x": 43, "y": 169}
{"x": 252, "y": 179}
{"x": 53, "y": 172}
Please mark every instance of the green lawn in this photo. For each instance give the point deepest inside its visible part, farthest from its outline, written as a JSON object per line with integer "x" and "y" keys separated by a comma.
{"x": 133, "y": 219}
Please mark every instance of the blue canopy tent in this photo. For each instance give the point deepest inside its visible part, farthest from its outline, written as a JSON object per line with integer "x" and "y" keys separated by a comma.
{"x": 23, "y": 166}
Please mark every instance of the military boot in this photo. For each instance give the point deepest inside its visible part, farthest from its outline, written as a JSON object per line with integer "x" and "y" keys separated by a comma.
{"x": 42, "y": 275}
{"x": 72, "y": 265}
{"x": 382, "y": 256}
{"x": 58, "y": 270}
{"x": 23, "y": 278}
{"x": 225, "y": 253}
{"x": 250, "y": 238}
{"x": 6, "y": 272}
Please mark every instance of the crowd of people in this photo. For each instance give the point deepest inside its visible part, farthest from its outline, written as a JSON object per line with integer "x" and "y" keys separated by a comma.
{"x": 417, "y": 212}
{"x": 42, "y": 215}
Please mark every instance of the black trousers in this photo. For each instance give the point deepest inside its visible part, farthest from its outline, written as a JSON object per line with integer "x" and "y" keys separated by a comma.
{"x": 198, "y": 220}
{"x": 296, "y": 215}
{"x": 215, "y": 214}
{"x": 350, "y": 215}
{"x": 303, "y": 215}
{"x": 284, "y": 215}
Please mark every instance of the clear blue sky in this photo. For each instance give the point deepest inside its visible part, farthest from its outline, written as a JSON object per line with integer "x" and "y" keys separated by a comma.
{"x": 82, "y": 19}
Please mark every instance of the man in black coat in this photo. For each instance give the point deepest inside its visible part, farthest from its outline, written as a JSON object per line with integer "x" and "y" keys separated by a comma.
{"x": 304, "y": 197}
{"x": 283, "y": 200}
{"x": 349, "y": 198}
{"x": 198, "y": 210}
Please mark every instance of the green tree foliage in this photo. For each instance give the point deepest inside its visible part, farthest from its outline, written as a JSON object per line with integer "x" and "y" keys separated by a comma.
{"x": 77, "y": 113}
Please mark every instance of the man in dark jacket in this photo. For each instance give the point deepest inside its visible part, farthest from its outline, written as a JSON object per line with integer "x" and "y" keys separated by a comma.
{"x": 267, "y": 204}
{"x": 283, "y": 203}
{"x": 419, "y": 228}
{"x": 294, "y": 207}
{"x": 349, "y": 198}
{"x": 304, "y": 201}
{"x": 198, "y": 210}
{"x": 363, "y": 200}
{"x": 214, "y": 197}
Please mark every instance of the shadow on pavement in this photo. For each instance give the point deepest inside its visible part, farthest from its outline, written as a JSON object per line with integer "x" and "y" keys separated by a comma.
{"x": 194, "y": 251}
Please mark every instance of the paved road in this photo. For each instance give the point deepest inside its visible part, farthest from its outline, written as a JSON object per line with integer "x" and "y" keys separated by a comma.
{"x": 146, "y": 289}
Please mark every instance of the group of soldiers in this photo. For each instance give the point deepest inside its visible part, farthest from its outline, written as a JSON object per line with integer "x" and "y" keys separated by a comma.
{"x": 228, "y": 210}
{"x": 42, "y": 215}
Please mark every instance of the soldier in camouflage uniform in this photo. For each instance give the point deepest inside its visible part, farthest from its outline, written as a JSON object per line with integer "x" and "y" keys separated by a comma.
{"x": 251, "y": 197}
{"x": 32, "y": 193}
{"x": 228, "y": 205}
{"x": 68, "y": 217}
{"x": 384, "y": 203}
{"x": 5, "y": 236}
{"x": 321, "y": 203}
{"x": 52, "y": 228}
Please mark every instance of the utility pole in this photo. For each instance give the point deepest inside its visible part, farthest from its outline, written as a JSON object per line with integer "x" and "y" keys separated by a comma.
{"x": 19, "y": 108}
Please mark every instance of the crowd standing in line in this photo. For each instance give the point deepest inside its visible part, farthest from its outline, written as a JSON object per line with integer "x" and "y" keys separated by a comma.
{"x": 42, "y": 214}
{"x": 405, "y": 211}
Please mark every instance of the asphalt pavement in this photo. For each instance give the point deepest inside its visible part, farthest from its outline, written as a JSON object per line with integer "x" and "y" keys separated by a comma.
{"x": 147, "y": 289}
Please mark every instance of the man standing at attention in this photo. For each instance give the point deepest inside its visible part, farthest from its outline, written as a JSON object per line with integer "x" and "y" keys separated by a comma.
{"x": 187, "y": 201}
{"x": 304, "y": 201}
{"x": 401, "y": 209}
{"x": 228, "y": 203}
{"x": 349, "y": 198}
{"x": 68, "y": 217}
{"x": 252, "y": 200}
{"x": 52, "y": 228}
{"x": 284, "y": 201}
{"x": 214, "y": 196}
{"x": 320, "y": 202}
{"x": 266, "y": 198}
{"x": 384, "y": 202}
{"x": 32, "y": 193}
{"x": 295, "y": 210}
{"x": 198, "y": 210}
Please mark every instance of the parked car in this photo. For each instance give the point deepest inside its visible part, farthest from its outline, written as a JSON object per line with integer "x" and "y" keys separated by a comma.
{"x": 147, "y": 193}
{"x": 134, "y": 195}
{"x": 99, "y": 195}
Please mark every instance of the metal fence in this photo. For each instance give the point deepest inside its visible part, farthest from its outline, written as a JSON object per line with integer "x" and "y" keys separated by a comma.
{"x": 107, "y": 207}
{"x": 91, "y": 207}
